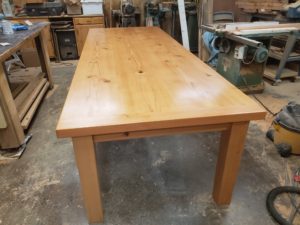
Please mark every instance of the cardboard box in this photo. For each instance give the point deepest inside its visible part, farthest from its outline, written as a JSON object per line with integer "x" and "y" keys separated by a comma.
{"x": 91, "y": 7}
{"x": 74, "y": 9}
{"x": 30, "y": 57}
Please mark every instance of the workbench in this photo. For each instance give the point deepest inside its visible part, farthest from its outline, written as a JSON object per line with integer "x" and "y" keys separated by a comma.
{"x": 139, "y": 82}
{"x": 82, "y": 23}
{"x": 17, "y": 109}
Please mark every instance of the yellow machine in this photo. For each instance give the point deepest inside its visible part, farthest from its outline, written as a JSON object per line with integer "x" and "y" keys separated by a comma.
{"x": 285, "y": 131}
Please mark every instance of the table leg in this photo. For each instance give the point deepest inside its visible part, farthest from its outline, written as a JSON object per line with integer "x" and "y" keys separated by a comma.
{"x": 231, "y": 149}
{"x": 290, "y": 43}
{"x": 41, "y": 46}
{"x": 12, "y": 134}
{"x": 90, "y": 185}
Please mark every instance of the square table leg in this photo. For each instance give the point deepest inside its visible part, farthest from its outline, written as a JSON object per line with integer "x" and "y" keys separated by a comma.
{"x": 41, "y": 46}
{"x": 86, "y": 162}
{"x": 230, "y": 153}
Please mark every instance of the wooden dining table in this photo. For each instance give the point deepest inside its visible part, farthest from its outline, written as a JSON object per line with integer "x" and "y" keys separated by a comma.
{"x": 139, "y": 82}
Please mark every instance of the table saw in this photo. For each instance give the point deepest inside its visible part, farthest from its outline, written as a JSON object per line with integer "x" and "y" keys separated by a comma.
{"x": 243, "y": 50}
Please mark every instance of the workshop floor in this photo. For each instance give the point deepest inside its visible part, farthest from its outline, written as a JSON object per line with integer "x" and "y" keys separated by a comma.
{"x": 151, "y": 181}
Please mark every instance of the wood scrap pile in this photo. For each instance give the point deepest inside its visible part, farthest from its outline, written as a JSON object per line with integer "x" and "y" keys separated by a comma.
{"x": 266, "y": 6}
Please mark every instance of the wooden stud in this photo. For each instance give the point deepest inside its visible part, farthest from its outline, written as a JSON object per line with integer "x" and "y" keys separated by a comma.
{"x": 90, "y": 185}
{"x": 231, "y": 149}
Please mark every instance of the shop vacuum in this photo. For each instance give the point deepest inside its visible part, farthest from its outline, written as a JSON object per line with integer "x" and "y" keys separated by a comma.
{"x": 285, "y": 130}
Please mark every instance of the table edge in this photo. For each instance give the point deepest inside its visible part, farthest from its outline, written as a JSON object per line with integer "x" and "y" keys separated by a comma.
{"x": 143, "y": 126}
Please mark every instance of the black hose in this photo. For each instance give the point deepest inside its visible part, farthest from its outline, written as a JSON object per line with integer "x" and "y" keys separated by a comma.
{"x": 271, "y": 198}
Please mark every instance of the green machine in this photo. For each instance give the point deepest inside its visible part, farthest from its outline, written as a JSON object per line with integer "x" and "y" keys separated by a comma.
{"x": 243, "y": 51}
{"x": 243, "y": 65}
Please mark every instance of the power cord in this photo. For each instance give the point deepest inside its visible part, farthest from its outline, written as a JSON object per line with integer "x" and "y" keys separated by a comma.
{"x": 257, "y": 99}
{"x": 251, "y": 61}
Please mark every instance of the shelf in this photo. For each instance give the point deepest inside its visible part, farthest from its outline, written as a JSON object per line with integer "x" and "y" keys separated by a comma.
{"x": 277, "y": 53}
{"x": 31, "y": 98}
{"x": 30, "y": 113}
{"x": 26, "y": 86}
{"x": 270, "y": 73}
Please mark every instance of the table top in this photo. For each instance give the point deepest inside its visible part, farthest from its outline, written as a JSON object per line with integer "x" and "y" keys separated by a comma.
{"x": 18, "y": 38}
{"x": 134, "y": 79}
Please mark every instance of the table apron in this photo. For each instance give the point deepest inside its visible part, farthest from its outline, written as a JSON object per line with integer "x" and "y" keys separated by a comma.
{"x": 160, "y": 132}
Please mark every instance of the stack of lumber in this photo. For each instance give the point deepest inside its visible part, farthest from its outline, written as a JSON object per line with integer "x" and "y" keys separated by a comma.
{"x": 261, "y": 6}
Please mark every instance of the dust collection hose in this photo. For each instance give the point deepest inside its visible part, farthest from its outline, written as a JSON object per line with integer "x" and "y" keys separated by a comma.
{"x": 271, "y": 200}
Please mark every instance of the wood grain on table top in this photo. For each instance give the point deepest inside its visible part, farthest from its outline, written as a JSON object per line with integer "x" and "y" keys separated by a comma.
{"x": 131, "y": 79}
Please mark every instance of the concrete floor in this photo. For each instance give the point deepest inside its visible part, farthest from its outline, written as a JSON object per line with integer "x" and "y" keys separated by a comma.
{"x": 151, "y": 181}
